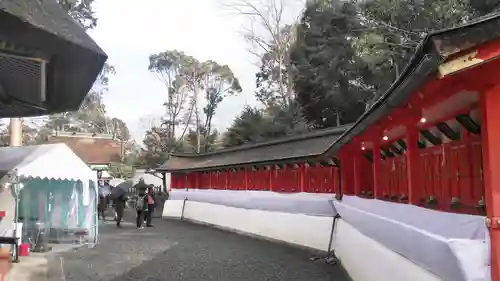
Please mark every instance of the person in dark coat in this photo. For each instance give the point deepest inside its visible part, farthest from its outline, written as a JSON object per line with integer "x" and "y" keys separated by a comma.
{"x": 151, "y": 201}
{"x": 103, "y": 202}
{"x": 120, "y": 208}
{"x": 141, "y": 185}
{"x": 141, "y": 207}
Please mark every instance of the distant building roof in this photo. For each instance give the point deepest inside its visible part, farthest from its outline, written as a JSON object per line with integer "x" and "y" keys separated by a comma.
{"x": 93, "y": 149}
{"x": 309, "y": 145}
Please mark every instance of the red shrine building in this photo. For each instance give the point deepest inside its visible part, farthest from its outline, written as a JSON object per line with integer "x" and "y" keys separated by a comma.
{"x": 430, "y": 141}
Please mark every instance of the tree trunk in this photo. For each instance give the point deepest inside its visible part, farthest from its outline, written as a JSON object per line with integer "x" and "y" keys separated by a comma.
{"x": 197, "y": 113}
{"x": 188, "y": 122}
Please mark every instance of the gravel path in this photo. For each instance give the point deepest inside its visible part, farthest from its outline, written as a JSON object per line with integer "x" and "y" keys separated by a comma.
{"x": 176, "y": 250}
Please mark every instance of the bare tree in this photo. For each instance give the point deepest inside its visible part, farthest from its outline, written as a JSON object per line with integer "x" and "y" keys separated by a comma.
{"x": 193, "y": 76}
{"x": 169, "y": 68}
{"x": 218, "y": 82}
{"x": 270, "y": 34}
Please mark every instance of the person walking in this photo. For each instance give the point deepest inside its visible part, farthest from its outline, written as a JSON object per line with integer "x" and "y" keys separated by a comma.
{"x": 141, "y": 207}
{"x": 120, "y": 208}
{"x": 102, "y": 207}
{"x": 151, "y": 201}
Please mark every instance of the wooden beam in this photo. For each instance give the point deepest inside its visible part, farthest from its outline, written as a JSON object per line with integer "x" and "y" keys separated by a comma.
{"x": 377, "y": 188}
{"x": 413, "y": 165}
{"x": 246, "y": 178}
{"x": 302, "y": 174}
{"x": 491, "y": 167}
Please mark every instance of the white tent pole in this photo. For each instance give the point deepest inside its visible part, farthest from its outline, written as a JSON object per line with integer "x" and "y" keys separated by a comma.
{"x": 14, "y": 181}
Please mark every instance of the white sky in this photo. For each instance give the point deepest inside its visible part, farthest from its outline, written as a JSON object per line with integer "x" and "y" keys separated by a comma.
{"x": 129, "y": 31}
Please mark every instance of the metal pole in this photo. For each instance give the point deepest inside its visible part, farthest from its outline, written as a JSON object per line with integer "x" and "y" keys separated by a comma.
{"x": 14, "y": 181}
{"x": 96, "y": 216}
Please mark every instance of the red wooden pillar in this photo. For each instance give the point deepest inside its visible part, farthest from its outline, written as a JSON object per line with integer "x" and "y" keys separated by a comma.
{"x": 358, "y": 174}
{"x": 228, "y": 175}
{"x": 210, "y": 179}
{"x": 172, "y": 181}
{"x": 468, "y": 184}
{"x": 302, "y": 174}
{"x": 413, "y": 164}
{"x": 490, "y": 134}
{"x": 271, "y": 171}
{"x": 377, "y": 188}
{"x": 345, "y": 171}
{"x": 246, "y": 178}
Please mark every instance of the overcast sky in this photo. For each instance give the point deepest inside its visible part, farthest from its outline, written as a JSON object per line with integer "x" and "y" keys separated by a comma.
{"x": 129, "y": 31}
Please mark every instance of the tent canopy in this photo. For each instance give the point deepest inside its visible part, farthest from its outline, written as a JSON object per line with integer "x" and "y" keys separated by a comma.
{"x": 105, "y": 175}
{"x": 48, "y": 161}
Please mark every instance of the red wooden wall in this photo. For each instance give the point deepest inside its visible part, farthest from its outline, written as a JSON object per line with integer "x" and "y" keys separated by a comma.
{"x": 321, "y": 179}
{"x": 288, "y": 179}
{"x": 394, "y": 181}
{"x": 453, "y": 171}
{"x": 449, "y": 172}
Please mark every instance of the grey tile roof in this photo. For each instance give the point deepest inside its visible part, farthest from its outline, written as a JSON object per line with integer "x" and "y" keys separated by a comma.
{"x": 308, "y": 145}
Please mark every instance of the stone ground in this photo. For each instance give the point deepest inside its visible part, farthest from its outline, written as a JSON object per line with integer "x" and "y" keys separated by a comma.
{"x": 175, "y": 250}
{"x": 32, "y": 268}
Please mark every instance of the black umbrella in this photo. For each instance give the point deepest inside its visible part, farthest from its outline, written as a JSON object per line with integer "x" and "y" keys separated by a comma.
{"x": 120, "y": 189}
{"x": 48, "y": 63}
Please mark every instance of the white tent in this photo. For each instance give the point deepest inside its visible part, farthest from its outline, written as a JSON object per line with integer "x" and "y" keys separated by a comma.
{"x": 56, "y": 185}
{"x": 105, "y": 175}
{"x": 148, "y": 178}
{"x": 48, "y": 161}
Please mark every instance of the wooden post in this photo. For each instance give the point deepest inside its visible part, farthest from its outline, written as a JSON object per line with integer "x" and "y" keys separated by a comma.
{"x": 271, "y": 171}
{"x": 376, "y": 169}
{"x": 172, "y": 181}
{"x": 164, "y": 182}
{"x": 246, "y": 179}
{"x": 413, "y": 168}
{"x": 345, "y": 171}
{"x": 356, "y": 166}
{"x": 490, "y": 133}
{"x": 469, "y": 182}
{"x": 302, "y": 174}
